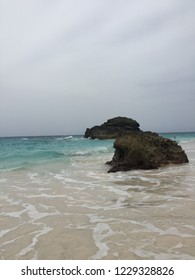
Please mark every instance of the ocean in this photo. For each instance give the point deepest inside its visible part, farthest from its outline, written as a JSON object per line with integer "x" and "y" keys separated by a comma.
{"x": 58, "y": 202}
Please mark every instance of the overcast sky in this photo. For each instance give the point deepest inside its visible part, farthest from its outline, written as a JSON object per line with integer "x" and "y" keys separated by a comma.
{"x": 66, "y": 65}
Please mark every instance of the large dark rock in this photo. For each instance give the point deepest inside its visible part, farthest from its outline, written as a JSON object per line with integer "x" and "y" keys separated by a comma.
{"x": 113, "y": 128}
{"x": 145, "y": 150}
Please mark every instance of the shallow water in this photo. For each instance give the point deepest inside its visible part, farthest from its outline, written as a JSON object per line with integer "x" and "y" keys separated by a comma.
{"x": 76, "y": 210}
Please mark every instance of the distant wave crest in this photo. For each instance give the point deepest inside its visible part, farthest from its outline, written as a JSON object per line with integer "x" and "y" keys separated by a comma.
{"x": 68, "y": 137}
{"x": 89, "y": 152}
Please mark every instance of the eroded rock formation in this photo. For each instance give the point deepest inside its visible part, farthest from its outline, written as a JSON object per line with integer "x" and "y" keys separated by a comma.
{"x": 135, "y": 149}
{"x": 145, "y": 150}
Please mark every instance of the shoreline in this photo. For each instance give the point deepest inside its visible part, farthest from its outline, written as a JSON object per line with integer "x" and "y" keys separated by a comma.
{"x": 79, "y": 211}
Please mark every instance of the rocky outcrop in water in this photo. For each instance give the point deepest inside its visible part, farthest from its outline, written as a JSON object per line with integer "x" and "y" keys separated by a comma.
{"x": 135, "y": 149}
{"x": 113, "y": 128}
{"x": 145, "y": 150}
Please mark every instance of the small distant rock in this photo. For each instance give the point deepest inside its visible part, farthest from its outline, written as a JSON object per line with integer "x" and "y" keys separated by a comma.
{"x": 113, "y": 128}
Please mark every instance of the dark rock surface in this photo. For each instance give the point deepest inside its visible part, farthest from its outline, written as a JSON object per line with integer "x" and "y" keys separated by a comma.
{"x": 113, "y": 128}
{"x": 145, "y": 150}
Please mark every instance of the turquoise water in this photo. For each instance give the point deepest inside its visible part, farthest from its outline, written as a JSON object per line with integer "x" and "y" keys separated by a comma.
{"x": 179, "y": 136}
{"x": 25, "y": 152}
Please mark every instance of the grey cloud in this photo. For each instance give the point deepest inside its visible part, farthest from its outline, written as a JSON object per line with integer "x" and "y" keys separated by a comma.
{"x": 175, "y": 81}
{"x": 92, "y": 60}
